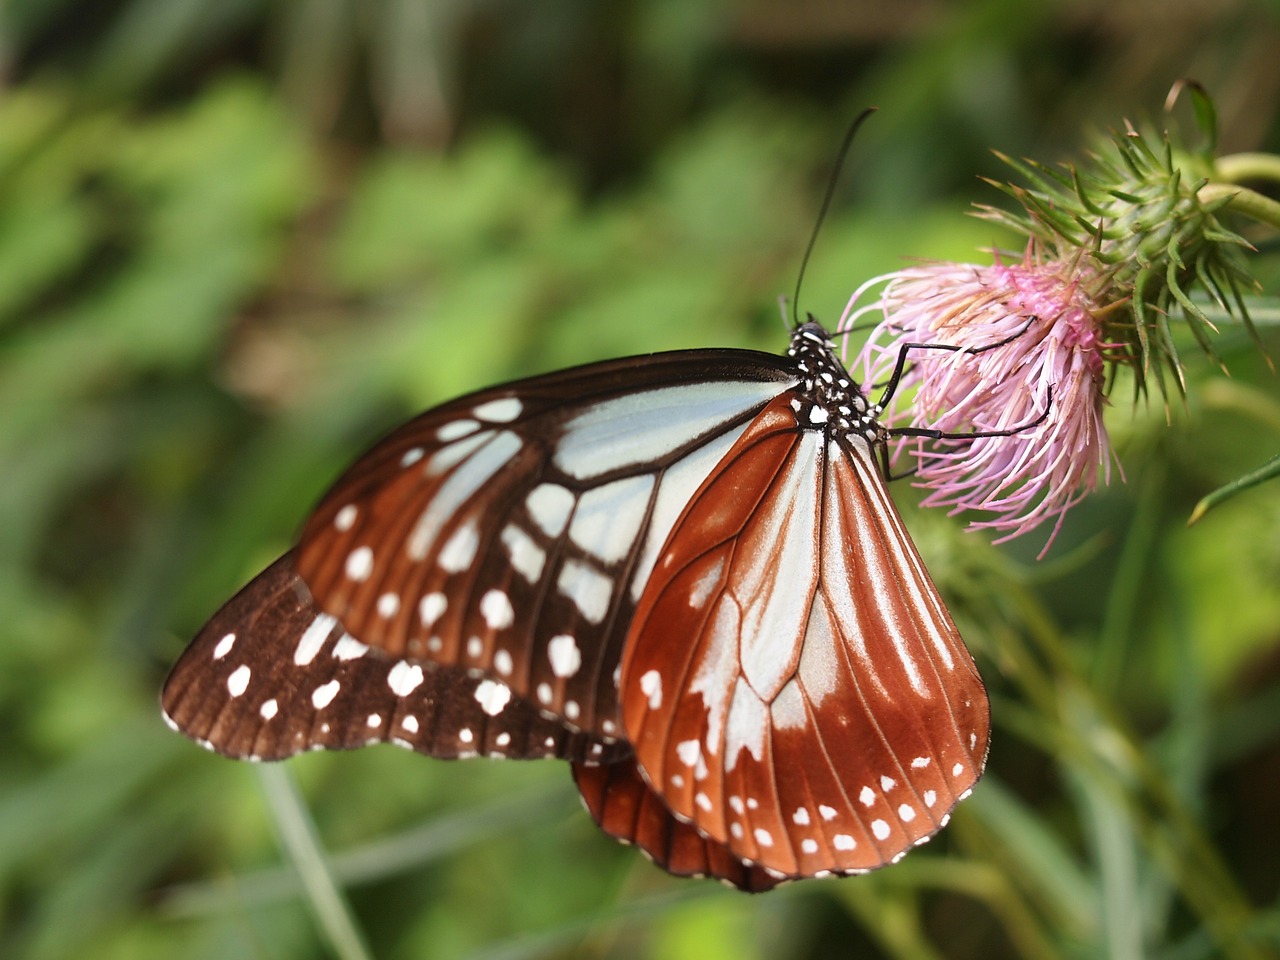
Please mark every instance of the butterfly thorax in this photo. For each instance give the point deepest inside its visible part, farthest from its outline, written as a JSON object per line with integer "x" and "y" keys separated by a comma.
{"x": 831, "y": 399}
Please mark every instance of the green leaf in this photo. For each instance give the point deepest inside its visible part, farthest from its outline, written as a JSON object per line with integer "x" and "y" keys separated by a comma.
{"x": 1268, "y": 471}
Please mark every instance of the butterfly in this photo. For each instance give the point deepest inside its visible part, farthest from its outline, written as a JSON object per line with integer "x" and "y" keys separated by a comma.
{"x": 682, "y": 572}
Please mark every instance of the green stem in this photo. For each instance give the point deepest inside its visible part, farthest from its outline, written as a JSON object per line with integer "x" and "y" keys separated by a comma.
{"x": 1239, "y": 167}
{"x": 1243, "y": 200}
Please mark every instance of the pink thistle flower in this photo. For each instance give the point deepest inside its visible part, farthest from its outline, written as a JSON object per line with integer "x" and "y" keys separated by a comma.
{"x": 1029, "y": 359}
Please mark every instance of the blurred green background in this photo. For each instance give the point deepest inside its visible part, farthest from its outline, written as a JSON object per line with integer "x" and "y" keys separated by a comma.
{"x": 239, "y": 239}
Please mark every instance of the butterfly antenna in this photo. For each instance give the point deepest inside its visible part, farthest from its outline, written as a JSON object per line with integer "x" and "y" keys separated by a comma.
{"x": 841, "y": 154}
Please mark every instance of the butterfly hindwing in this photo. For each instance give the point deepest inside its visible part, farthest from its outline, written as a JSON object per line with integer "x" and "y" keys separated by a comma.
{"x": 793, "y": 686}
{"x": 626, "y": 809}
{"x": 510, "y": 533}
{"x": 270, "y": 676}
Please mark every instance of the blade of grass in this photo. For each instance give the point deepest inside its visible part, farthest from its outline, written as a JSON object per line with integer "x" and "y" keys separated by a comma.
{"x": 369, "y": 862}
{"x": 302, "y": 845}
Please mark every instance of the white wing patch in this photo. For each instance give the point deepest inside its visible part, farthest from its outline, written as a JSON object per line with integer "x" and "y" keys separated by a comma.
{"x": 589, "y": 589}
{"x": 479, "y": 457}
{"x": 775, "y": 608}
{"x": 608, "y": 518}
{"x": 748, "y": 723}
{"x": 644, "y": 425}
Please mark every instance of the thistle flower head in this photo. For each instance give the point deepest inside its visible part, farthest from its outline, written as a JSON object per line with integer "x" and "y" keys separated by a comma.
{"x": 1012, "y": 353}
{"x": 1012, "y": 362}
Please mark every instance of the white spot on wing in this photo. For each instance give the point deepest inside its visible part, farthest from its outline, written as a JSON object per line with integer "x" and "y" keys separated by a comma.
{"x": 763, "y": 837}
{"x": 867, "y": 796}
{"x": 688, "y": 751}
{"x": 842, "y": 841}
{"x": 930, "y": 798}
{"x": 345, "y": 518}
{"x": 313, "y": 639}
{"x": 809, "y": 845}
{"x": 906, "y": 813}
{"x": 651, "y": 687}
{"x": 456, "y": 430}
{"x": 411, "y": 456}
{"x": 565, "y": 657}
{"x": 224, "y": 646}
{"x": 410, "y": 723}
{"x": 359, "y": 564}
{"x": 502, "y": 410}
{"x": 404, "y": 678}
{"x": 957, "y": 769}
{"x": 887, "y": 783}
{"x": 495, "y": 607}
{"x": 431, "y": 607}
{"x": 492, "y": 696}
{"x": 801, "y": 817}
{"x": 269, "y": 709}
{"x": 238, "y": 682}
{"x": 349, "y": 648}
{"x": 703, "y": 801}
{"x": 828, "y": 813}
{"x": 880, "y": 829}
{"x": 323, "y": 695}
{"x": 388, "y": 605}
{"x": 527, "y": 558}
{"x": 919, "y": 763}
{"x": 502, "y": 662}
{"x": 460, "y": 549}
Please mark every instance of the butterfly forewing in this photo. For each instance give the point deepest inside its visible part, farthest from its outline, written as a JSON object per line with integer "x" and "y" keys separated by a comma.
{"x": 510, "y": 533}
{"x": 270, "y": 675}
{"x": 792, "y": 684}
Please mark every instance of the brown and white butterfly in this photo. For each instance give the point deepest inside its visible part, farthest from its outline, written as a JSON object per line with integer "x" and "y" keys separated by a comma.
{"x": 681, "y": 572}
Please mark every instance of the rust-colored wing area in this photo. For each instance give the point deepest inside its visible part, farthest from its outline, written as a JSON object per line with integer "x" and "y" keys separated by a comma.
{"x": 270, "y": 676}
{"x": 793, "y": 686}
{"x": 626, "y": 809}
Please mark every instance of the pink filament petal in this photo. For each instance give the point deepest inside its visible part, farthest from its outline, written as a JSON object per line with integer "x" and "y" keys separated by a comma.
{"x": 1030, "y": 358}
